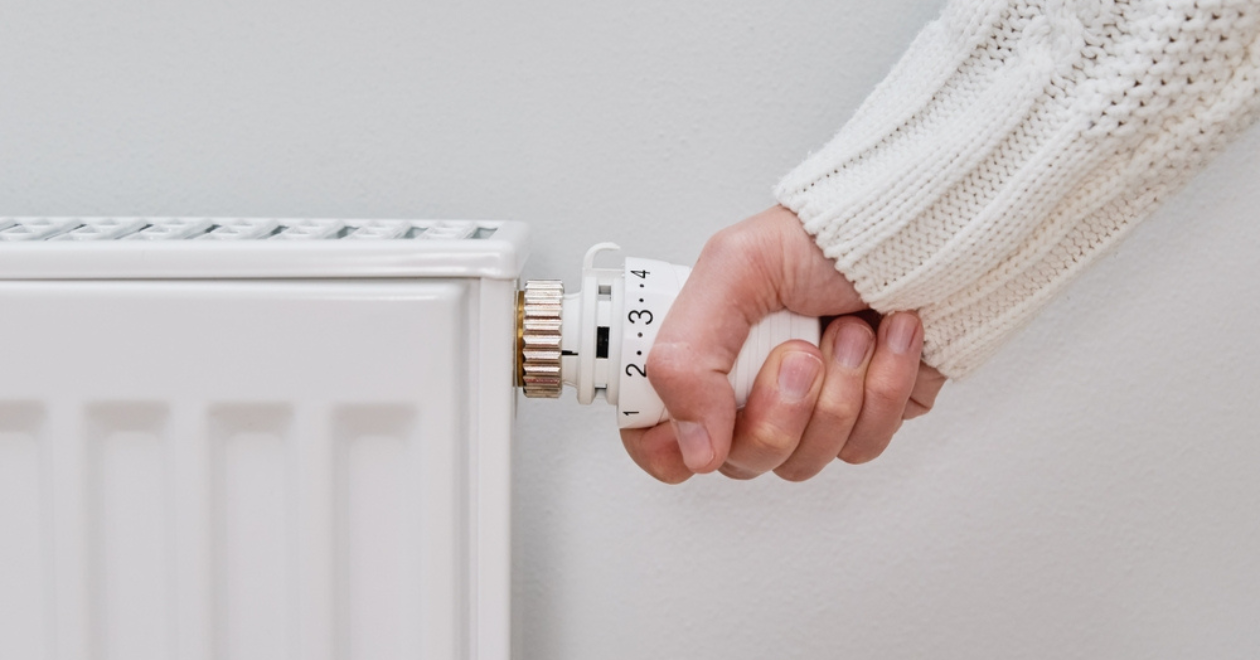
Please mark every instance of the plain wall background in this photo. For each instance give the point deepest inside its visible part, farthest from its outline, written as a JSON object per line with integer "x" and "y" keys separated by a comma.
{"x": 1089, "y": 493}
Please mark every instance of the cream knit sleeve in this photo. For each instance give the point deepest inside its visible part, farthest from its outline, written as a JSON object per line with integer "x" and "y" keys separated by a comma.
{"x": 1013, "y": 144}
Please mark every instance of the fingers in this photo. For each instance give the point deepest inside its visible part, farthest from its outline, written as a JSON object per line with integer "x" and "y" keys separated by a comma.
{"x": 779, "y": 407}
{"x": 923, "y": 396}
{"x": 890, "y": 380}
{"x": 860, "y": 387}
{"x": 847, "y": 346}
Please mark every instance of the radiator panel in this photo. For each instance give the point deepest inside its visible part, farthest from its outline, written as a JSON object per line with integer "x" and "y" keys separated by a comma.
{"x": 254, "y": 534}
{"x": 379, "y": 589}
{"x": 25, "y": 615}
{"x": 130, "y": 513}
{"x": 253, "y": 469}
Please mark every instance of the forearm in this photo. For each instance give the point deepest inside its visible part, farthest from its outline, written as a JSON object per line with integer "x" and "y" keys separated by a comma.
{"x": 1012, "y": 145}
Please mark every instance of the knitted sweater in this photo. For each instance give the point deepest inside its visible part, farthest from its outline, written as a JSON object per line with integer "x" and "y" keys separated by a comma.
{"x": 1013, "y": 144}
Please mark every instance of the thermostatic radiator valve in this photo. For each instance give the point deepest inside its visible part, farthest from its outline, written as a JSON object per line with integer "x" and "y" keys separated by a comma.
{"x": 598, "y": 339}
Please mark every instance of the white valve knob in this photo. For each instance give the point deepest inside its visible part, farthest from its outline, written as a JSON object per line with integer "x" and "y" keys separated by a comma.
{"x": 608, "y": 328}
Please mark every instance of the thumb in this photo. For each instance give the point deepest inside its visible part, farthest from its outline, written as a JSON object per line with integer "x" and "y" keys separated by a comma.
{"x": 699, "y": 342}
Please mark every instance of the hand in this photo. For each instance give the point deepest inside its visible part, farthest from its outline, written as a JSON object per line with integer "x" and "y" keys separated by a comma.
{"x": 808, "y": 404}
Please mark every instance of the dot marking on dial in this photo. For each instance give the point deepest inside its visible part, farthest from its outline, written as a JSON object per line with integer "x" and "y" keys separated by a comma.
{"x": 640, "y": 334}
{"x": 638, "y": 352}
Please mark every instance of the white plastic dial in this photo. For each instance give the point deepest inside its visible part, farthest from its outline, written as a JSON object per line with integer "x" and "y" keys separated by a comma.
{"x": 610, "y": 325}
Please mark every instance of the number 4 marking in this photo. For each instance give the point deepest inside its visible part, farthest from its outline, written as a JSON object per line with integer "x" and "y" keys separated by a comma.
{"x": 641, "y": 273}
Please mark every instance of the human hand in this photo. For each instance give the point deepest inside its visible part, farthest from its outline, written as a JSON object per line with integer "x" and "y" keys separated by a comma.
{"x": 809, "y": 404}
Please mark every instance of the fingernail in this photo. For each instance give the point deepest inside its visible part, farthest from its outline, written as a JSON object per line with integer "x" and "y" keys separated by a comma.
{"x": 852, "y": 343}
{"x": 901, "y": 333}
{"x": 693, "y": 440}
{"x": 797, "y": 372}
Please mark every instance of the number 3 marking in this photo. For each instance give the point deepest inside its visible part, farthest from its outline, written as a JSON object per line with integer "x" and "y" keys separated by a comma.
{"x": 635, "y": 315}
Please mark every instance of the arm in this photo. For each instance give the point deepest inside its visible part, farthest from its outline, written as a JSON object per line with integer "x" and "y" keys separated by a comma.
{"x": 1013, "y": 144}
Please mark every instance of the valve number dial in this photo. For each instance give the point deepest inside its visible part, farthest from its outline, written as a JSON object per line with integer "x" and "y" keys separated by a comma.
{"x": 649, "y": 289}
{"x": 608, "y": 328}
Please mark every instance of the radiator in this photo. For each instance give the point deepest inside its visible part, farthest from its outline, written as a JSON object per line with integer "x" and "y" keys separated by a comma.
{"x": 243, "y": 438}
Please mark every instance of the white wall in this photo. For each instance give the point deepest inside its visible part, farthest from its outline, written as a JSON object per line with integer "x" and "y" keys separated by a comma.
{"x": 1090, "y": 493}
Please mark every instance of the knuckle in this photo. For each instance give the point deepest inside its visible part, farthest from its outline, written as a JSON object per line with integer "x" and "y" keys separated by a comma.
{"x": 884, "y": 392}
{"x": 769, "y": 440}
{"x": 724, "y": 243}
{"x": 870, "y": 445}
{"x": 670, "y": 477}
{"x": 736, "y": 472}
{"x": 836, "y": 413}
{"x": 668, "y": 363}
{"x": 667, "y": 468}
{"x": 734, "y": 245}
{"x": 863, "y": 452}
{"x": 915, "y": 409}
{"x": 657, "y": 454}
{"x": 796, "y": 473}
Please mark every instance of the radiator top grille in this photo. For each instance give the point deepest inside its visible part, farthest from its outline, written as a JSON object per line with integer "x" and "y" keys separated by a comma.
{"x": 237, "y": 229}
{"x": 192, "y": 248}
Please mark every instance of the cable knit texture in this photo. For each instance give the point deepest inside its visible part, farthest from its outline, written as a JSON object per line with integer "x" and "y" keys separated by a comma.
{"x": 1013, "y": 144}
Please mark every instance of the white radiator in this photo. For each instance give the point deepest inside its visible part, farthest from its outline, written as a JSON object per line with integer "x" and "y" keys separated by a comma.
{"x": 239, "y": 439}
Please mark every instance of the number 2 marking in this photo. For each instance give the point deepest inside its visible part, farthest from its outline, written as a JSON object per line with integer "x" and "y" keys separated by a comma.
{"x": 641, "y": 370}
